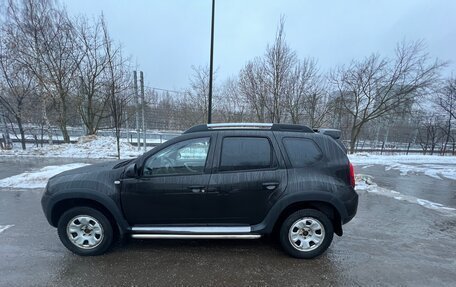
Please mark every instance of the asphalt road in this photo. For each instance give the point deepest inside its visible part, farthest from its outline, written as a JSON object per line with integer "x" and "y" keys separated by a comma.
{"x": 389, "y": 242}
{"x": 418, "y": 185}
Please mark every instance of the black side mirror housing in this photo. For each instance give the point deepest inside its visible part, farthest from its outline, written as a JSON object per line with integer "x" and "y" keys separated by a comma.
{"x": 131, "y": 171}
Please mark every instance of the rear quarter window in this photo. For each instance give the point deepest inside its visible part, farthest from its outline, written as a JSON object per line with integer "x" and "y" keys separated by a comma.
{"x": 302, "y": 152}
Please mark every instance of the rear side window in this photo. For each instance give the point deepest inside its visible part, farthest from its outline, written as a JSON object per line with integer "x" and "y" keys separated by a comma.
{"x": 244, "y": 153}
{"x": 302, "y": 152}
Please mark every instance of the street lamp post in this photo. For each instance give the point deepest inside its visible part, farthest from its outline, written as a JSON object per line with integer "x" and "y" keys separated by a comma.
{"x": 211, "y": 67}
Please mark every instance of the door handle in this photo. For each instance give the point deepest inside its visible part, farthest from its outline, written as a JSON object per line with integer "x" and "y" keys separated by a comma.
{"x": 197, "y": 188}
{"x": 270, "y": 185}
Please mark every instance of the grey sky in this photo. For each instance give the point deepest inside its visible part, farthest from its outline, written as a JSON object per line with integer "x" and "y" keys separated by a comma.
{"x": 165, "y": 38}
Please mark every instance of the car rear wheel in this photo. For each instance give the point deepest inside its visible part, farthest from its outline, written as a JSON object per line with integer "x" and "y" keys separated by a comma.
{"x": 306, "y": 233}
{"x": 85, "y": 231}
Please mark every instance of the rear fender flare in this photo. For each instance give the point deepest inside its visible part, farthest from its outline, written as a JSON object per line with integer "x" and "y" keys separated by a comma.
{"x": 267, "y": 225}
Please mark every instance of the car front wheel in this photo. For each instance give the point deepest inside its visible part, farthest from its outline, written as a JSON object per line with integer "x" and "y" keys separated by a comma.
{"x": 85, "y": 231}
{"x": 306, "y": 233}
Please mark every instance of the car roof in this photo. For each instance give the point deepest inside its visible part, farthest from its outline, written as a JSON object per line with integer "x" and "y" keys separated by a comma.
{"x": 250, "y": 126}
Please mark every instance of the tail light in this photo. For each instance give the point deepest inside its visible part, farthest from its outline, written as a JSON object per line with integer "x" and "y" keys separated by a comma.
{"x": 352, "y": 175}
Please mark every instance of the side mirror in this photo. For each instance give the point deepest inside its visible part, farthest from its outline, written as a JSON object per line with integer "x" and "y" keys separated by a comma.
{"x": 131, "y": 170}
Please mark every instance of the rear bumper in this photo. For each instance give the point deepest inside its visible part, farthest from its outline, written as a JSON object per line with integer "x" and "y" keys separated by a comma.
{"x": 351, "y": 205}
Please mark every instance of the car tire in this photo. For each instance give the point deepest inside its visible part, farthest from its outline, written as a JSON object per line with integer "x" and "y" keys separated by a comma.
{"x": 306, "y": 233}
{"x": 85, "y": 231}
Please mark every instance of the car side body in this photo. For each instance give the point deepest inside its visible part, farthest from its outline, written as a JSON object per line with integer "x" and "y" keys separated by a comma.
{"x": 219, "y": 198}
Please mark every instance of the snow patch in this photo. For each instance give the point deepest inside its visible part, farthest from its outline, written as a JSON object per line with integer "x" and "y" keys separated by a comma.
{"x": 5, "y": 227}
{"x": 365, "y": 158}
{"x": 434, "y": 166}
{"x": 365, "y": 184}
{"x": 432, "y": 205}
{"x": 366, "y": 166}
{"x": 86, "y": 147}
{"x": 37, "y": 179}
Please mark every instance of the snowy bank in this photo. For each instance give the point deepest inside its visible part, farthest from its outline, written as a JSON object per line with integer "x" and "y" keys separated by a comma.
{"x": 431, "y": 165}
{"x": 38, "y": 178}
{"x": 365, "y": 184}
{"x": 86, "y": 147}
{"x": 365, "y": 158}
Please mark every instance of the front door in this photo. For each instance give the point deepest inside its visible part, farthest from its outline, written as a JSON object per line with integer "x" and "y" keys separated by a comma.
{"x": 173, "y": 182}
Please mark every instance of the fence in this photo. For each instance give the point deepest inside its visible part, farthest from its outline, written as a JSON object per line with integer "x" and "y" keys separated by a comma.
{"x": 34, "y": 135}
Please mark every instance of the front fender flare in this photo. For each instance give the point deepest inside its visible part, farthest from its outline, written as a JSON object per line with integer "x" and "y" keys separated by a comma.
{"x": 88, "y": 194}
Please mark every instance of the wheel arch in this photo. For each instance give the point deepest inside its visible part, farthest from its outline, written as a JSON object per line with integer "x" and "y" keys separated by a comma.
{"x": 325, "y": 202}
{"x": 322, "y": 206}
{"x": 64, "y": 201}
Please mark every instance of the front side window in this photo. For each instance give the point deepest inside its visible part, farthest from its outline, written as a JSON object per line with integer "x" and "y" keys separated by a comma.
{"x": 244, "y": 153}
{"x": 185, "y": 157}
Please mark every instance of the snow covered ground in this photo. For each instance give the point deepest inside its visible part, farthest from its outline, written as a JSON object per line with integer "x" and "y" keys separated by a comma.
{"x": 365, "y": 184}
{"x": 431, "y": 165}
{"x": 86, "y": 147}
{"x": 37, "y": 178}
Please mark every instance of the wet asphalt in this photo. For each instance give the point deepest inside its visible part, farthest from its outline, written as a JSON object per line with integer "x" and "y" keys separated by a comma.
{"x": 419, "y": 185}
{"x": 388, "y": 243}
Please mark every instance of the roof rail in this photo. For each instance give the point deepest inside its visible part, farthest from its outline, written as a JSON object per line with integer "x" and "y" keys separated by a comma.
{"x": 239, "y": 126}
{"x": 291, "y": 128}
{"x": 270, "y": 126}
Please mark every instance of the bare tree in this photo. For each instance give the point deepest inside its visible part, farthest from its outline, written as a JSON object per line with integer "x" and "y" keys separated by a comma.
{"x": 45, "y": 39}
{"x": 306, "y": 97}
{"x": 429, "y": 132}
{"x": 377, "y": 86}
{"x": 264, "y": 82}
{"x": 18, "y": 88}
{"x": 231, "y": 107}
{"x": 278, "y": 87}
{"x": 92, "y": 101}
{"x": 446, "y": 101}
{"x": 117, "y": 83}
{"x": 278, "y": 63}
{"x": 253, "y": 87}
{"x": 195, "y": 102}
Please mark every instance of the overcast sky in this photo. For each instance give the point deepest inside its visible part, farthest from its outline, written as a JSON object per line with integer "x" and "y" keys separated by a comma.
{"x": 165, "y": 38}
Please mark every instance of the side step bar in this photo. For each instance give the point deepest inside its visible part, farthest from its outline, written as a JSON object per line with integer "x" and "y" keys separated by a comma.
{"x": 192, "y": 229}
{"x": 193, "y": 232}
{"x": 196, "y": 236}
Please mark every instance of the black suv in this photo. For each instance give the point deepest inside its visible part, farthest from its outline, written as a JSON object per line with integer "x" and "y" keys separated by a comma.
{"x": 239, "y": 181}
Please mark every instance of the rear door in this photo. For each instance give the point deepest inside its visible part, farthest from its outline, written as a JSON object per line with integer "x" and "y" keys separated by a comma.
{"x": 249, "y": 175}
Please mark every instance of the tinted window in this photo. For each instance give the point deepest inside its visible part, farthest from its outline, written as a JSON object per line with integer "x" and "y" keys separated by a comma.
{"x": 184, "y": 157}
{"x": 242, "y": 153}
{"x": 301, "y": 152}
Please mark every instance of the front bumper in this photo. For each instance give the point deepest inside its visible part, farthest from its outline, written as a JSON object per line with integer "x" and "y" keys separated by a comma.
{"x": 45, "y": 203}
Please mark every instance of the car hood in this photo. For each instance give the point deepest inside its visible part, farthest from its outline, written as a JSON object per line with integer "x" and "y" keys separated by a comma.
{"x": 96, "y": 177}
{"x": 93, "y": 168}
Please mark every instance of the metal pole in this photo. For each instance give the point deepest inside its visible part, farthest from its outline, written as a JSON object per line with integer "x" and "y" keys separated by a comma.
{"x": 82, "y": 94}
{"x": 7, "y": 139}
{"x": 143, "y": 104}
{"x": 211, "y": 66}
{"x": 127, "y": 125}
{"x": 135, "y": 86}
